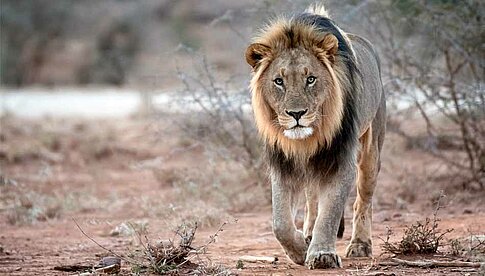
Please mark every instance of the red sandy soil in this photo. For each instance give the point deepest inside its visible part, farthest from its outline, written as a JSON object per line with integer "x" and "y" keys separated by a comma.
{"x": 36, "y": 248}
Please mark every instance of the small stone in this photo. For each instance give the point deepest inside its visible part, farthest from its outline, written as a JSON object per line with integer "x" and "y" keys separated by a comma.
{"x": 110, "y": 264}
{"x": 110, "y": 260}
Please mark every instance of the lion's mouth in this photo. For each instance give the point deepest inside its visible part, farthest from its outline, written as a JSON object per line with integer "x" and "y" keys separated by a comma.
{"x": 298, "y": 132}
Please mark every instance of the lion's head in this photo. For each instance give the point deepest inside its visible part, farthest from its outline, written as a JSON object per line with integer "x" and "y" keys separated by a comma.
{"x": 297, "y": 98}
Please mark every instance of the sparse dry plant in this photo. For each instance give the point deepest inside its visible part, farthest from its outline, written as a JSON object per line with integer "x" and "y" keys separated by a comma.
{"x": 219, "y": 118}
{"x": 422, "y": 237}
{"x": 472, "y": 246}
{"x": 175, "y": 256}
{"x": 178, "y": 256}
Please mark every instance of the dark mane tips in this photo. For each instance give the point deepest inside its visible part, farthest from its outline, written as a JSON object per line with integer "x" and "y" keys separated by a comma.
{"x": 326, "y": 25}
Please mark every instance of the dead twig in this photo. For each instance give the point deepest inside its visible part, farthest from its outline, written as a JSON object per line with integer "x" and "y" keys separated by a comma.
{"x": 73, "y": 268}
{"x": 433, "y": 264}
{"x": 203, "y": 248}
{"x": 124, "y": 258}
{"x": 463, "y": 270}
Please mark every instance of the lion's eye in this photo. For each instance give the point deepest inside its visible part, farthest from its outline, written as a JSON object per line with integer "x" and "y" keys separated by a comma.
{"x": 278, "y": 81}
{"x": 310, "y": 80}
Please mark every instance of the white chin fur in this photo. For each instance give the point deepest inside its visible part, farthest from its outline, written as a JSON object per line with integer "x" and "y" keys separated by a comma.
{"x": 298, "y": 132}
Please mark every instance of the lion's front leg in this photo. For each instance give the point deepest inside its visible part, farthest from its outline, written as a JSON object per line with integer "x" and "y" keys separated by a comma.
{"x": 331, "y": 203}
{"x": 284, "y": 227}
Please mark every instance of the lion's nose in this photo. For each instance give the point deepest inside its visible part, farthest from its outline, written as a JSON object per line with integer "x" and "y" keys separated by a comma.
{"x": 296, "y": 114}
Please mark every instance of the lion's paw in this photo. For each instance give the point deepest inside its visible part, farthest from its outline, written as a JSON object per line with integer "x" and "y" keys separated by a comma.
{"x": 359, "y": 249}
{"x": 322, "y": 259}
{"x": 297, "y": 258}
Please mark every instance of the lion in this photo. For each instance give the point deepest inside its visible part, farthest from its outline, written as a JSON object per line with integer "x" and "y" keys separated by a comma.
{"x": 319, "y": 107}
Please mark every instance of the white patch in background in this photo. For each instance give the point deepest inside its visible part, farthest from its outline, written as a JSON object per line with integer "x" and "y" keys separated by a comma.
{"x": 298, "y": 132}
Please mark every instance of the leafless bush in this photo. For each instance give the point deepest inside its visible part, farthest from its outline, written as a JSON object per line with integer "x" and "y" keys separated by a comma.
{"x": 176, "y": 256}
{"x": 419, "y": 238}
{"x": 433, "y": 58}
{"x": 220, "y": 115}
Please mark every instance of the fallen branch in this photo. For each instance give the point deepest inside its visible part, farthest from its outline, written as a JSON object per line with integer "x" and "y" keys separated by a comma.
{"x": 257, "y": 259}
{"x": 73, "y": 268}
{"x": 463, "y": 270}
{"x": 380, "y": 274}
{"x": 386, "y": 264}
{"x": 432, "y": 264}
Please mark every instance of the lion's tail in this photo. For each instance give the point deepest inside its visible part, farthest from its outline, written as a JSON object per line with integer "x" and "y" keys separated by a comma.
{"x": 318, "y": 9}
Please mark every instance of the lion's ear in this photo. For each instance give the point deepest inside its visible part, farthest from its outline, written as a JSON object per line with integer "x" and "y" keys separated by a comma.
{"x": 255, "y": 53}
{"x": 329, "y": 45}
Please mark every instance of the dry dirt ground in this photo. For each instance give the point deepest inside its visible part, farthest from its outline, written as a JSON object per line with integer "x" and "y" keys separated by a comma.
{"x": 105, "y": 173}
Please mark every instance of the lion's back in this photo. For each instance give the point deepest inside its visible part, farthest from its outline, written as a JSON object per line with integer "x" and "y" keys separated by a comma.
{"x": 368, "y": 63}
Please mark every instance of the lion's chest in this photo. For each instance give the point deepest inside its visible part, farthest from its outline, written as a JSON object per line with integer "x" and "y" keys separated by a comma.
{"x": 303, "y": 170}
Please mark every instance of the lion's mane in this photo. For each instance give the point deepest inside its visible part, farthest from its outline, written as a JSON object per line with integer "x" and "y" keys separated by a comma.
{"x": 337, "y": 133}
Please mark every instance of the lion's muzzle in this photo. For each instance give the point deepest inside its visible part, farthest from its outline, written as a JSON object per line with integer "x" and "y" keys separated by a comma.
{"x": 298, "y": 132}
{"x": 297, "y": 126}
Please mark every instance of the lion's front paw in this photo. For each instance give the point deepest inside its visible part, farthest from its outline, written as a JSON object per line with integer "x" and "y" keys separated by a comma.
{"x": 359, "y": 249}
{"x": 294, "y": 245}
{"x": 297, "y": 257}
{"x": 322, "y": 259}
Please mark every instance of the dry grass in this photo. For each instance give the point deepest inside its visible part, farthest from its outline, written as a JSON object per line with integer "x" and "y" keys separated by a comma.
{"x": 56, "y": 141}
{"x": 179, "y": 211}
{"x": 26, "y": 206}
{"x": 472, "y": 247}
{"x": 206, "y": 194}
{"x": 44, "y": 188}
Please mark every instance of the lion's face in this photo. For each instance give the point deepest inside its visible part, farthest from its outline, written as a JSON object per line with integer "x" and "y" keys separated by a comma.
{"x": 296, "y": 95}
{"x": 295, "y": 86}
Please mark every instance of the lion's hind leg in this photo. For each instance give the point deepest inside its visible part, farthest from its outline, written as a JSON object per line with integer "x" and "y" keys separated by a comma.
{"x": 311, "y": 212}
{"x": 311, "y": 197}
{"x": 361, "y": 242}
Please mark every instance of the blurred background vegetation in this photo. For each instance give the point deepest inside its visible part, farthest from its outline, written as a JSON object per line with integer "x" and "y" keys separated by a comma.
{"x": 432, "y": 55}
{"x": 137, "y": 112}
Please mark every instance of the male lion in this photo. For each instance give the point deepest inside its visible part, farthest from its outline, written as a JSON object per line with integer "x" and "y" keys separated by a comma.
{"x": 319, "y": 106}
